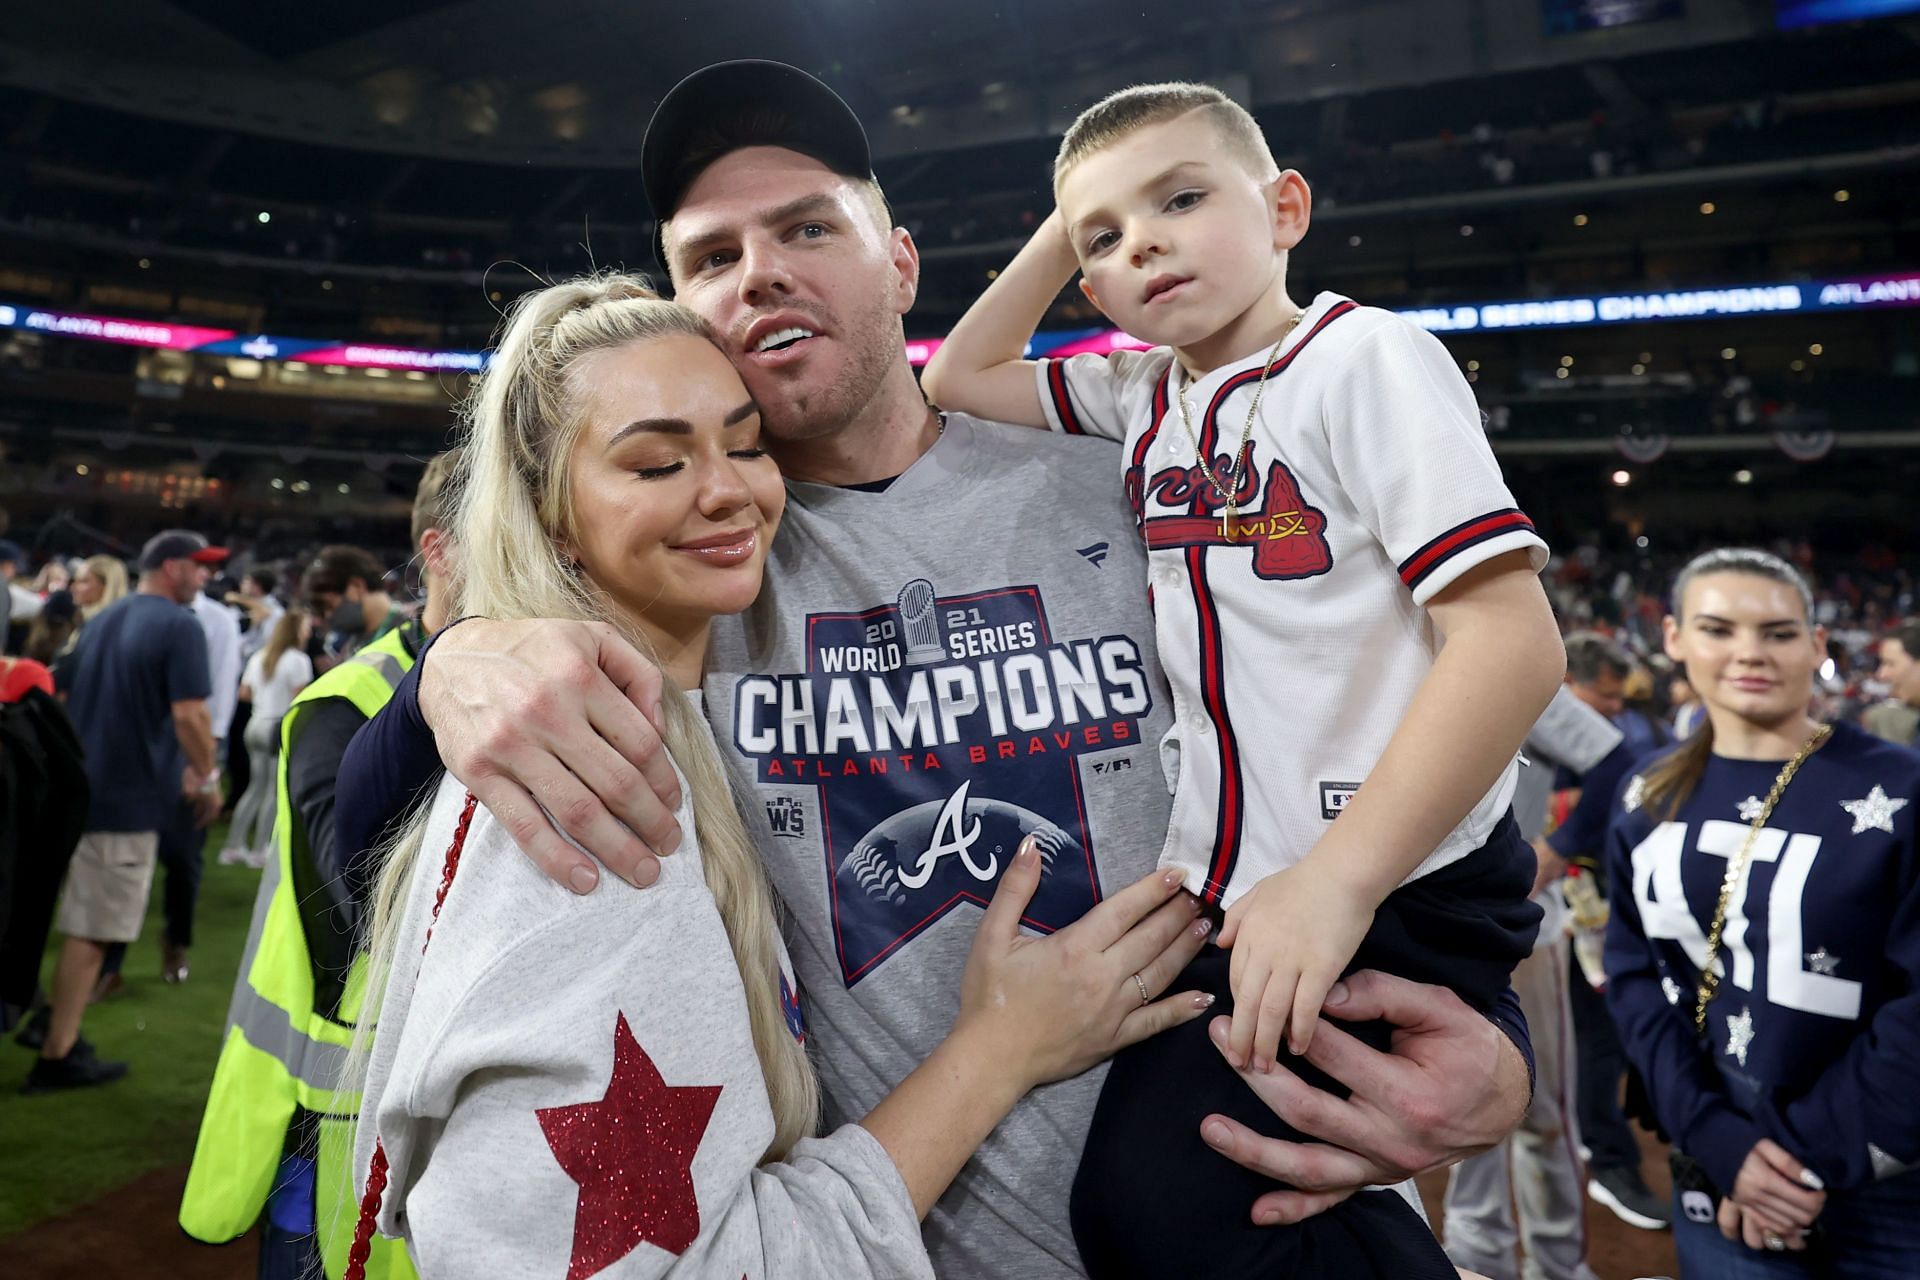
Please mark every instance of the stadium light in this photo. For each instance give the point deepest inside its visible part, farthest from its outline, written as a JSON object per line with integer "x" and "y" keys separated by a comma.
{"x": 1815, "y": 349}
{"x": 265, "y": 217}
{"x": 1842, "y": 196}
{"x": 1579, "y": 219}
{"x": 1743, "y": 476}
{"x": 1706, "y": 207}
{"x": 1621, "y": 479}
{"x": 1641, "y": 542}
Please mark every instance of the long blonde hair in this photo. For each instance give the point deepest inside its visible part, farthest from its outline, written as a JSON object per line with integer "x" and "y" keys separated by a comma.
{"x": 1672, "y": 780}
{"x": 113, "y": 582}
{"x": 513, "y": 517}
{"x": 286, "y": 634}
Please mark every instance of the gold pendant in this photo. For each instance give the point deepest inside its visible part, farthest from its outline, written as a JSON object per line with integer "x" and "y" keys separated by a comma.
{"x": 1226, "y": 516}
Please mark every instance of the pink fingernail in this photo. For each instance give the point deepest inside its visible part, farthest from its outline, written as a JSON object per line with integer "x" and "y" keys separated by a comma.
{"x": 1172, "y": 876}
{"x": 1203, "y": 1001}
{"x": 1215, "y": 1133}
{"x": 1260, "y": 1065}
{"x": 1201, "y": 928}
{"x": 582, "y": 879}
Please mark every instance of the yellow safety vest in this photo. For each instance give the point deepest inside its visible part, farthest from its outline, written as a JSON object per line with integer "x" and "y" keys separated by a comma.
{"x": 281, "y": 1053}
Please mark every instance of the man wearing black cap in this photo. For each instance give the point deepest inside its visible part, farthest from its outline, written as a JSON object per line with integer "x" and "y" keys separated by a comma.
{"x": 951, "y": 651}
{"x": 137, "y": 689}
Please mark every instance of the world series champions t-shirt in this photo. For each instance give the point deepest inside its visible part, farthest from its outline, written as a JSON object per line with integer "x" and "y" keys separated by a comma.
{"x": 921, "y": 684}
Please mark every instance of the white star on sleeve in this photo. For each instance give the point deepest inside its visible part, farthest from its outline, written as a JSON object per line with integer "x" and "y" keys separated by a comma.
{"x": 1874, "y": 812}
{"x": 1740, "y": 1034}
{"x": 1636, "y": 793}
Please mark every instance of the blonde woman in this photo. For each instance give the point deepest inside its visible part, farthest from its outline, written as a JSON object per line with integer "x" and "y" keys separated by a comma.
{"x": 273, "y": 678}
{"x": 564, "y": 1082}
{"x": 99, "y": 581}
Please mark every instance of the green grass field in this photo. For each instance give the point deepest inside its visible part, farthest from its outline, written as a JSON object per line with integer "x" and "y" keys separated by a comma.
{"x": 63, "y": 1150}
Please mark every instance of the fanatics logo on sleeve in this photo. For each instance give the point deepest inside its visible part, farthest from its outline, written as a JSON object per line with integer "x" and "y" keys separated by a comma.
{"x": 1334, "y": 797}
{"x": 940, "y": 731}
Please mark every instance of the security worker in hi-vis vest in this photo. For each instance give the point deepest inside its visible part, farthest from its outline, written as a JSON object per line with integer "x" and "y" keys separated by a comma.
{"x": 275, "y": 1136}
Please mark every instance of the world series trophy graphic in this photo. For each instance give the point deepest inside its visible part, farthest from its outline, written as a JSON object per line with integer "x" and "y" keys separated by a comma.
{"x": 921, "y": 623}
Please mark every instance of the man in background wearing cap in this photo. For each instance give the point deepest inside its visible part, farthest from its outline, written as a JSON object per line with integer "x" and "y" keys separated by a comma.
{"x": 975, "y": 550}
{"x": 136, "y": 690}
{"x": 183, "y": 838}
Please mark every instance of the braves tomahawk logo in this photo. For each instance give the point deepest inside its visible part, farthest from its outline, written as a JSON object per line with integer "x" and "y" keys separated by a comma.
{"x": 1288, "y": 537}
{"x": 937, "y": 732}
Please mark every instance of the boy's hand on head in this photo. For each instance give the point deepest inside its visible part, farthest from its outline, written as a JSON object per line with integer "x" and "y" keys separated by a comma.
{"x": 1292, "y": 936}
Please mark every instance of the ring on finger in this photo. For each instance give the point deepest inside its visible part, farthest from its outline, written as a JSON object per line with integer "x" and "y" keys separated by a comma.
{"x": 1141, "y": 983}
{"x": 1773, "y": 1242}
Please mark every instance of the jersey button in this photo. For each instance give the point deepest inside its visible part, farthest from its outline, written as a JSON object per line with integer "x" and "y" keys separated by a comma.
{"x": 1200, "y": 722}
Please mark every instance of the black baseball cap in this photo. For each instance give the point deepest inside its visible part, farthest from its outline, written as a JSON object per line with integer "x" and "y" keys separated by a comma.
{"x": 178, "y": 544}
{"x": 750, "y": 102}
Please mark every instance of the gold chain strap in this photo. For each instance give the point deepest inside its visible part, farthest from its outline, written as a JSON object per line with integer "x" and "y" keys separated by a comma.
{"x": 1737, "y": 868}
{"x": 1229, "y": 492}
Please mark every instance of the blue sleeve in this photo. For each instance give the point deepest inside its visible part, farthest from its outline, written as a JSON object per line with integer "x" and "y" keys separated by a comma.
{"x": 1658, "y": 1037}
{"x": 390, "y": 760}
{"x": 189, "y": 673}
{"x": 1584, "y": 833}
{"x": 1865, "y": 1099}
{"x": 1507, "y": 1015}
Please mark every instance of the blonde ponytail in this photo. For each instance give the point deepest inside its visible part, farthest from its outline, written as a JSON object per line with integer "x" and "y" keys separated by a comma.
{"x": 514, "y": 516}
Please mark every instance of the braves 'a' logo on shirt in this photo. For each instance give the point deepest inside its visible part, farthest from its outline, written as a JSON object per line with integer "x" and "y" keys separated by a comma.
{"x": 1287, "y": 535}
{"x": 939, "y": 731}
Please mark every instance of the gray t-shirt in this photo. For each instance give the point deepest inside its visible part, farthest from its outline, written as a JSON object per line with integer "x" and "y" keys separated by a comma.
{"x": 930, "y": 673}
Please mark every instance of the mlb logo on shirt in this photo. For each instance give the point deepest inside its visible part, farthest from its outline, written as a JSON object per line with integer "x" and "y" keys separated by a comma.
{"x": 1697, "y": 1205}
{"x": 1334, "y": 797}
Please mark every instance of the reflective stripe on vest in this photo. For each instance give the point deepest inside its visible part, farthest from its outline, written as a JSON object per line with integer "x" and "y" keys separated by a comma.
{"x": 279, "y": 1053}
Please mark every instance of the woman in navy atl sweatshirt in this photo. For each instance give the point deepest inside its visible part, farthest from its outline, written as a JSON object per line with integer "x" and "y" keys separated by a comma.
{"x": 1795, "y": 1106}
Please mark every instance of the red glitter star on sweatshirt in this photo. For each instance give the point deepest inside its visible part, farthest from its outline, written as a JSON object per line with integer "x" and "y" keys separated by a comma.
{"x": 632, "y": 1154}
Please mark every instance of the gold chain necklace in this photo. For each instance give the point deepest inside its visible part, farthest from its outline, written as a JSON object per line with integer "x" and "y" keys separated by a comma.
{"x": 1737, "y": 867}
{"x": 1229, "y": 492}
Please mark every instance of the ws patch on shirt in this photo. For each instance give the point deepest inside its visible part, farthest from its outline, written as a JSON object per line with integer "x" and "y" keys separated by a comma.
{"x": 938, "y": 732}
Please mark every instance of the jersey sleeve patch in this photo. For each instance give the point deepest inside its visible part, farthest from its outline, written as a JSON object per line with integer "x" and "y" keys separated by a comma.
{"x": 1422, "y": 564}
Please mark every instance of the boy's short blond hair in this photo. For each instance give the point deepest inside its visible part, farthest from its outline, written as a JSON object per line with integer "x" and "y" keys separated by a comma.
{"x": 1120, "y": 114}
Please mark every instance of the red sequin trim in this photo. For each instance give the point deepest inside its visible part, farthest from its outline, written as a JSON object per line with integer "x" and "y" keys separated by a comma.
{"x": 369, "y": 1211}
{"x": 377, "y": 1168}
{"x": 452, "y": 864}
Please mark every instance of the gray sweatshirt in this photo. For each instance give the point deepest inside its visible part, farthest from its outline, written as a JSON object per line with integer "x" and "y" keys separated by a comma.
{"x": 567, "y": 1086}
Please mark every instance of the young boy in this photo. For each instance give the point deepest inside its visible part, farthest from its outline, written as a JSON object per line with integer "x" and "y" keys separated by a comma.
{"x": 1321, "y": 511}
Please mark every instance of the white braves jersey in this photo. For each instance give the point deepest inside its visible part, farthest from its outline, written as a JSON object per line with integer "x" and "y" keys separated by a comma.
{"x": 1294, "y": 648}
